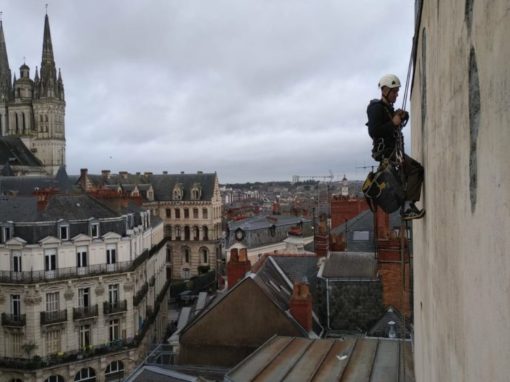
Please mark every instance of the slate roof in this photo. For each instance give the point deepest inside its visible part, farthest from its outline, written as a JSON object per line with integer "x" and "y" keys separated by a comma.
{"x": 274, "y": 283}
{"x": 363, "y": 222}
{"x": 163, "y": 184}
{"x": 159, "y": 374}
{"x": 68, "y": 207}
{"x": 382, "y": 327}
{"x": 350, "y": 359}
{"x": 349, "y": 265}
{"x": 13, "y": 150}
{"x": 262, "y": 221}
{"x": 298, "y": 267}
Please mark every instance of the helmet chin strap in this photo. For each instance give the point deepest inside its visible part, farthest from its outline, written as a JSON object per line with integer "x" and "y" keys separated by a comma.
{"x": 385, "y": 96}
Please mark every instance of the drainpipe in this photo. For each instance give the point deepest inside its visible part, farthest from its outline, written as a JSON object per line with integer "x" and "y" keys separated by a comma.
{"x": 327, "y": 302}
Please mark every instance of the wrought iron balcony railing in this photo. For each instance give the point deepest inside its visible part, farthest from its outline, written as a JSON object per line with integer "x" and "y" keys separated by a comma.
{"x": 53, "y": 317}
{"x": 85, "y": 312}
{"x": 114, "y": 307}
{"x": 14, "y": 319}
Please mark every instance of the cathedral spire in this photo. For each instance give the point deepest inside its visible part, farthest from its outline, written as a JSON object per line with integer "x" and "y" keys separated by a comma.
{"x": 48, "y": 86}
{"x": 5, "y": 71}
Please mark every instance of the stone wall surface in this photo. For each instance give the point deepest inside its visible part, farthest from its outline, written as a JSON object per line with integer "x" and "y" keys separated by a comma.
{"x": 460, "y": 132}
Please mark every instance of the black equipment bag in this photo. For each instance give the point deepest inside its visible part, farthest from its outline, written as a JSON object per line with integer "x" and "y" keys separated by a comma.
{"x": 384, "y": 189}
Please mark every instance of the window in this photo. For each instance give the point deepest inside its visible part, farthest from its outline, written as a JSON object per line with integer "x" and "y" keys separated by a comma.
{"x": 177, "y": 193}
{"x": 85, "y": 375}
{"x": 186, "y": 254}
{"x": 50, "y": 260}
{"x": 81, "y": 259}
{"x": 186, "y": 213}
{"x": 204, "y": 213}
{"x": 111, "y": 256}
{"x": 54, "y": 378}
{"x": 53, "y": 341}
{"x": 64, "y": 232}
{"x": 15, "y": 344}
{"x": 94, "y": 230}
{"x": 113, "y": 294}
{"x": 177, "y": 232}
{"x": 168, "y": 254}
{"x": 5, "y": 234}
{"x": 168, "y": 231}
{"x": 205, "y": 231}
{"x": 196, "y": 233}
{"x": 114, "y": 372}
{"x": 84, "y": 339}
{"x": 195, "y": 213}
{"x": 195, "y": 193}
{"x": 186, "y": 233}
{"x": 186, "y": 273}
{"x": 16, "y": 261}
{"x": 168, "y": 213}
{"x": 84, "y": 297}
{"x": 177, "y": 213}
{"x": 204, "y": 255}
{"x": 16, "y": 305}
{"x": 52, "y": 302}
{"x": 114, "y": 330}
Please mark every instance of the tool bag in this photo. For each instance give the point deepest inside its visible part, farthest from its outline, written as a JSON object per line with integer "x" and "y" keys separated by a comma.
{"x": 384, "y": 189}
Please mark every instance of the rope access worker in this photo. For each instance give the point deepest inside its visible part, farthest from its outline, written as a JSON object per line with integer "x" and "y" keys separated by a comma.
{"x": 384, "y": 127}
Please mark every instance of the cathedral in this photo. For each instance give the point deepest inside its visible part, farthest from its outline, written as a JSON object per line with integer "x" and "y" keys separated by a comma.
{"x": 32, "y": 127}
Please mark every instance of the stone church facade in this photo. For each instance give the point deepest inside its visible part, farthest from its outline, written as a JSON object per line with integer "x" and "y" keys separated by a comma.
{"x": 33, "y": 110}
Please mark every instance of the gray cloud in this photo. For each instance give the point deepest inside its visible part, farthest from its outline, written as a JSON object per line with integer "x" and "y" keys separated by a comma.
{"x": 252, "y": 89}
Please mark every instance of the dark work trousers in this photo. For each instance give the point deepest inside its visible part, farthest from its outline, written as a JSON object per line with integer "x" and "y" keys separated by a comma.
{"x": 413, "y": 171}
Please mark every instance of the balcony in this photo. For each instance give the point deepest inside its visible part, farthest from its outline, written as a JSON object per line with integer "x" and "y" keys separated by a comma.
{"x": 48, "y": 318}
{"x": 83, "y": 312}
{"x": 140, "y": 294}
{"x": 17, "y": 320}
{"x": 114, "y": 307}
{"x": 70, "y": 272}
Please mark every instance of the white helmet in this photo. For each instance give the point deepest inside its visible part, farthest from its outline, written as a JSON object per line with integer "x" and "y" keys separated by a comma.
{"x": 389, "y": 80}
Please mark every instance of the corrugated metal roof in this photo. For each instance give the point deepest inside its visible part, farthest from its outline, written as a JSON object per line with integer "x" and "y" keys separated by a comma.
{"x": 351, "y": 359}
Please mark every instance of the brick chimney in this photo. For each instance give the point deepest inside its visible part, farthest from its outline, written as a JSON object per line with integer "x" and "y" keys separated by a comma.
{"x": 382, "y": 221}
{"x": 300, "y": 305}
{"x": 83, "y": 179}
{"x": 43, "y": 197}
{"x": 105, "y": 174}
{"x": 123, "y": 175}
{"x": 237, "y": 266}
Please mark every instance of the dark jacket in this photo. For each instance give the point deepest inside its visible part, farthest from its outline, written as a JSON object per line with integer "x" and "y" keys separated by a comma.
{"x": 381, "y": 128}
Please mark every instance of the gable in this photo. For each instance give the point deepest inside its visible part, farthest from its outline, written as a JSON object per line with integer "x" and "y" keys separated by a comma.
{"x": 49, "y": 240}
{"x": 245, "y": 317}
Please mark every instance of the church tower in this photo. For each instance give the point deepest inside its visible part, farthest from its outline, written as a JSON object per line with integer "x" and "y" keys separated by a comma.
{"x": 34, "y": 110}
{"x": 48, "y": 142}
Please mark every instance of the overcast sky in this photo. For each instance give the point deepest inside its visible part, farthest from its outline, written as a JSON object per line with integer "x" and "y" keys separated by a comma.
{"x": 255, "y": 90}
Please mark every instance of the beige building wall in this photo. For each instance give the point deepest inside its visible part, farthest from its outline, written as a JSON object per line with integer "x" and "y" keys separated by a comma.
{"x": 461, "y": 133}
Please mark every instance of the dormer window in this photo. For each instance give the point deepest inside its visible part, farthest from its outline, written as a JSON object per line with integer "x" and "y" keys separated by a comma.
{"x": 94, "y": 229}
{"x": 177, "y": 192}
{"x": 63, "y": 231}
{"x": 196, "y": 192}
{"x": 6, "y": 231}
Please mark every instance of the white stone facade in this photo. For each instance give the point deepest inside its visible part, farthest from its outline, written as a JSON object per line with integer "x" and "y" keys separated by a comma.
{"x": 81, "y": 302}
{"x": 460, "y": 132}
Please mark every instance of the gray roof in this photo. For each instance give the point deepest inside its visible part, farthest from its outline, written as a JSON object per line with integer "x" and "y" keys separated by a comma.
{"x": 382, "y": 327}
{"x": 363, "y": 222}
{"x": 163, "y": 184}
{"x": 13, "y": 150}
{"x": 349, "y": 360}
{"x": 350, "y": 265}
{"x": 298, "y": 267}
{"x": 159, "y": 374}
{"x": 262, "y": 221}
{"x": 67, "y": 207}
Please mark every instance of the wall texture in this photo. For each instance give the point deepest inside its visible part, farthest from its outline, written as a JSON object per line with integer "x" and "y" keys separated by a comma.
{"x": 461, "y": 133}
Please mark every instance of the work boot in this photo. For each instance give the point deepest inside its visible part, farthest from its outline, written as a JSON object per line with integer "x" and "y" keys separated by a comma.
{"x": 413, "y": 212}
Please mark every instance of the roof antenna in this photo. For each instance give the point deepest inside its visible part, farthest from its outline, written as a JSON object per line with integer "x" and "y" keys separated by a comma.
{"x": 46, "y": 5}
{"x": 1, "y": 13}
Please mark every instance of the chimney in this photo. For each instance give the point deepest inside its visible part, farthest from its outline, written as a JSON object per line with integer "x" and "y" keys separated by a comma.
{"x": 43, "y": 197}
{"x": 105, "y": 174}
{"x": 300, "y": 305}
{"x": 147, "y": 174}
{"x": 83, "y": 178}
{"x": 382, "y": 221}
{"x": 237, "y": 266}
{"x": 123, "y": 175}
{"x": 165, "y": 172}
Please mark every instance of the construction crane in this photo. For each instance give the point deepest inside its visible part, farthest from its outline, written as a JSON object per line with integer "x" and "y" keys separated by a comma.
{"x": 299, "y": 178}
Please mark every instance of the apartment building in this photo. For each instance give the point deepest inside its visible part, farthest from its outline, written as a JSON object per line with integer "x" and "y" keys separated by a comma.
{"x": 83, "y": 287}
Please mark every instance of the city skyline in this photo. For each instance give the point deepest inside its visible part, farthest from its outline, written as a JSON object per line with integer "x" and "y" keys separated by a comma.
{"x": 255, "y": 92}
